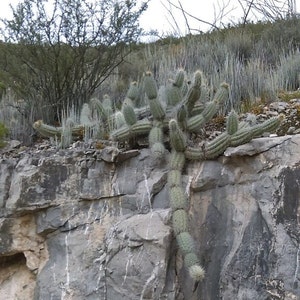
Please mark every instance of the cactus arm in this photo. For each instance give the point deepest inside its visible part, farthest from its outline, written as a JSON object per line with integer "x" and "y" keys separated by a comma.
{"x": 47, "y": 130}
{"x": 129, "y": 114}
{"x": 194, "y": 92}
{"x": 156, "y": 141}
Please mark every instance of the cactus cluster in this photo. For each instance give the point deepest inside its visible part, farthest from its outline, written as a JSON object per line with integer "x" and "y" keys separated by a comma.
{"x": 168, "y": 117}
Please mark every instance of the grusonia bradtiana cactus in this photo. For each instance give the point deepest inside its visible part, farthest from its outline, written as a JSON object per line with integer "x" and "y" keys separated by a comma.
{"x": 168, "y": 120}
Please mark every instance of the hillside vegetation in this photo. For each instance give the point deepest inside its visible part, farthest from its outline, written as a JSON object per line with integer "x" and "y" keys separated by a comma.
{"x": 260, "y": 62}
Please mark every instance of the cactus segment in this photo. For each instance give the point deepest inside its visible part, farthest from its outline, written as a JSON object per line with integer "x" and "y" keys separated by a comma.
{"x": 186, "y": 243}
{"x": 217, "y": 146}
{"x": 129, "y": 114}
{"x": 269, "y": 125}
{"x": 141, "y": 127}
{"x": 222, "y": 94}
{"x": 179, "y": 78}
{"x": 193, "y": 153}
{"x": 178, "y": 200}
{"x": 180, "y": 221}
{"x": 155, "y": 135}
{"x": 184, "y": 89}
{"x": 196, "y": 272}
{"x": 177, "y": 137}
{"x": 232, "y": 123}
{"x": 104, "y": 109}
{"x": 173, "y": 95}
{"x": 118, "y": 120}
{"x": 177, "y": 160}
{"x": 195, "y": 123}
{"x": 150, "y": 86}
{"x": 211, "y": 108}
{"x": 191, "y": 259}
{"x": 158, "y": 150}
{"x": 121, "y": 134}
{"x": 194, "y": 92}
{"x": 156, "y": 109}
{"x": 133, "y": 91}
{"x": 182, "y": 116}
{"x": 174, "y": 178}
{"x": 242, "y": 136}
{"x": 46, "y": 130}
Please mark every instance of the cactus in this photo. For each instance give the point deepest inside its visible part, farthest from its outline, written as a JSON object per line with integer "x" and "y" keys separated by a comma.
{"x": 169, "y": 124}
{"x": 177, "y": 137}
{"x": 178, "y": 200}
{"x": 174, "y": 178}
{"x": 186, "y": 243}
{"x": 133, "y": 93}
{"x": 177, "y": 160}
{"x": 150, "y": 86}
{"x": 180, "y": 221}
{"x": 194, "y": 92}
{"x": 129, "y": 114}
{"x": 232, "y": 123}
{"x": 175, "y": 89}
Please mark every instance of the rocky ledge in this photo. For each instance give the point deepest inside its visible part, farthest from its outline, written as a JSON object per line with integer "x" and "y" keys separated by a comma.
{"x": 90, "y": 224}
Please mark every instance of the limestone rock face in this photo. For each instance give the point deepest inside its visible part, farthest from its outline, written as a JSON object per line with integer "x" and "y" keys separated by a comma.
{"x": 95, "y": 224}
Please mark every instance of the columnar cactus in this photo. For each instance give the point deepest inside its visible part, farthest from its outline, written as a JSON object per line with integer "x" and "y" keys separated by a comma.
{"x": 168, "y": 120}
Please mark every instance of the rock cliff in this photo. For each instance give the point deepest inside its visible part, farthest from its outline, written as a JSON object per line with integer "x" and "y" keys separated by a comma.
{"x": 95, "y": 224}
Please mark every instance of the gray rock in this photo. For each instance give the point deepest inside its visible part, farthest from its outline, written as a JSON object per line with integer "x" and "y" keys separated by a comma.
{"x": 96, "y": 225}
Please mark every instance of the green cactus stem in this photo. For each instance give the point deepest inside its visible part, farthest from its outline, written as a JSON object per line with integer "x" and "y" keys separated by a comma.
{"x": 156, "y": 135}
{"x": 186, "y": 243}
{"x": 174, "y": 91}
{"x": 118, "y": 119}
{"x": 232, "y": 123}
{"x": 141, "y": 127}
{"x": 177, "y": 137}
{"x": 180, "y": 221}
{"x": 269, "y": 125}
{"x": 194, "y": 92}
{"x": 46, "y": 130}
{"x": 194, "y": 153}
{"x": 133, "y": 92}
{"x": 222, "y": 94}
{"x": 156, "y": 141}
{"x": 191, "y": 259}
{"x": 173, "y": 95}
{"x": 150, "y": 86}
{"x": 174, "y": 178}
{"x": 179, "y": 78}
{"x": 121, "y": 134}
{"x": 129, "y": 114}
{"x": 177, "y": 160}
{"x": 156, "y": 109}
{"x": 217, "y": 146}
{"x": 178, "y": 199}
